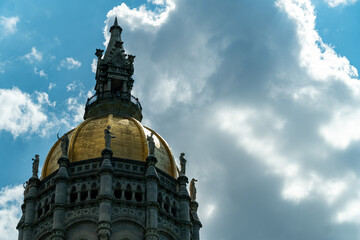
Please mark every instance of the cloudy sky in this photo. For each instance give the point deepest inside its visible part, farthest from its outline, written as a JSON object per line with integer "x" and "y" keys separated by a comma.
{"x": 263, "y": 96}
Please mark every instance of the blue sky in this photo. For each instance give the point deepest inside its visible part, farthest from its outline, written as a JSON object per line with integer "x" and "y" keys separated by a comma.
{"x": 262, "y": 96}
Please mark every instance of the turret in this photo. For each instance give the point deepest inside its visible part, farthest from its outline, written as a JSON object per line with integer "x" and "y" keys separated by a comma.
{"x": 114, "y": 81}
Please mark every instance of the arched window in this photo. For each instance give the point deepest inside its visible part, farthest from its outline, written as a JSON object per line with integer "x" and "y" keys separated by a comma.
{"x": 84, "y": 193}
{"x": 138, "y": 194}
{"x": 174, "y": 209}
{"x": 73, "y": 195}
{"x": 39, "y": 210}
{"x": 117, "y": 191}
{"x": 160, "y": 200}
{"x": 128, "y": 193}
{"x": 46, "y": 206}
{"x": 52, "y": 202}
{"x": 94, "y": 191}
{"x": 167, "y": 205}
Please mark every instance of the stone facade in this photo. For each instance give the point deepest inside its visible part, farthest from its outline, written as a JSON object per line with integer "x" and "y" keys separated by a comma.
{"x": 108, "y": 198}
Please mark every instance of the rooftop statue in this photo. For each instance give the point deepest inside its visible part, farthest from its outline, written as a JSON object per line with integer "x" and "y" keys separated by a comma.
{"x": 26, "y": 186}
{"x": 64, "y": 144}
{"x": 150, "y": 140}
{"x": 182, "y": 164}
{"x": 193, "y": 189}
{"x": 35, "y": 166}
{"x": 108, "y": 136}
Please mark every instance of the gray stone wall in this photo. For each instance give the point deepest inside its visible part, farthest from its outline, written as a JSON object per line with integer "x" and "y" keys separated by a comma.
{"x": 129, "y": 191}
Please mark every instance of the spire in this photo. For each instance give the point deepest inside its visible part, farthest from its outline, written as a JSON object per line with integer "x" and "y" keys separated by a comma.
{"x": 114, "y": 81}
{"x": 115, "y": 25}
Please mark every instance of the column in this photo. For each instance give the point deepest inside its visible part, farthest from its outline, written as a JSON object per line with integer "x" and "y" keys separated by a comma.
{"x": 105, "y": 197}
{"x": 29, "y": 202}
{"x": 61, "y": 184}
{"x": 184, "y": 214}
{"x": 20, "y": 225}
{"x": 152, "y": 181}
{"x": 196, "y": 221}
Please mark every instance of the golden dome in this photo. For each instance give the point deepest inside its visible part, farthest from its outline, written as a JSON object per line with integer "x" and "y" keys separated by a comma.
{"x": 86, "y": 141}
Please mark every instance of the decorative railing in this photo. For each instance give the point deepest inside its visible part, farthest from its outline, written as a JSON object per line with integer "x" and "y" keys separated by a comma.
{"x": 111, "y": 95}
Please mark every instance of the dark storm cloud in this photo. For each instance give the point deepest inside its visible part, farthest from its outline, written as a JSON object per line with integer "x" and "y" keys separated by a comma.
{"x": 223, "y": 82}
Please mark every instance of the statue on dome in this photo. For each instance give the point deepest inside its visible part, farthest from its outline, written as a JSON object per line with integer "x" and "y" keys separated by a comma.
{"x": 151, "y": 142}
{"x": 64, "y": 144}
{"x": 193, "y": 189}
{"x": 108, "y": 136}
{"x": 182, "y": 164}
{"x": 35, "y": 166}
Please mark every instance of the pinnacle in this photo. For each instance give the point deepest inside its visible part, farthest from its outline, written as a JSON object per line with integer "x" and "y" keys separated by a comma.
{"x": 115, "y": 25}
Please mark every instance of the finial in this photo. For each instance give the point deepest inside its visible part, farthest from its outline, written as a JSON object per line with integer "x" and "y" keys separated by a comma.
{"x": 99, "y": 53}
{"x": 115, "y": 25}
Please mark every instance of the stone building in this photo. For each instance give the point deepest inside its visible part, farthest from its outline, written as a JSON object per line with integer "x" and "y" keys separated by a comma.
{"x": 110, "y": 177}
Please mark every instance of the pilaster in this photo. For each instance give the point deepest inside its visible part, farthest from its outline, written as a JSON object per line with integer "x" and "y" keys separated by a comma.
{"x": 29, "y": 202}
{"x": 105, "y": 197}
{"x": 196, "y": 224}
{"x": 61, "y": 182}
{"x": 152, "y": 181}
{"x": 20, "y": 225}
{"x": 184, "y": 214}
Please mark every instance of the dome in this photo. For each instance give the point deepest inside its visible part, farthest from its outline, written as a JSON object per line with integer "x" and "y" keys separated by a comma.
{"x": 86, "y": 141}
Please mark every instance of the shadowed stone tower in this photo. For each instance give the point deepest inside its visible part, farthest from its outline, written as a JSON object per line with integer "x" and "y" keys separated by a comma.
{"x": 110, "y": 177}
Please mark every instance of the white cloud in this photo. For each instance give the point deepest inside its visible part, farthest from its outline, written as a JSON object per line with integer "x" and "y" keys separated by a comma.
{"x": 140, "y": 17}
{"x": 297, "y": 189}
{"x": 69, "y": 63}
{"x": 209, "y": 211}
{"x": 325, "y": 65}
{"x": 308, "y": 94}
{"x": 8, "y": 25}
{"x": 299, "y": 184}
{"x": 94, "y": 65}
{"x": 10, "y": 211}
{"x": 90, "y": 94}
{"x": 335, "y": 3}
{"x": 43, "y": 98}
{"x": 52, "y": 85}
{"x": 41, "y": 73}
{"x": 320, "y": 59}
{"x": 34, "y": 56}
{"x": 343, "y": 128}
{"x": 77, "y": 110}
{"x": 71, "y": 87}
{"x": 19, "y": 113}
{"x": 350, "y": 213}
